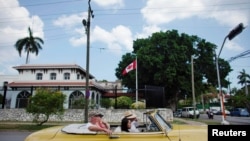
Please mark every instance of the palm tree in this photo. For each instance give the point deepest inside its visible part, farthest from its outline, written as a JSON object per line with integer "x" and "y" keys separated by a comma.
{"x": 244, "y": 80}
{"x": 29, "y": 44}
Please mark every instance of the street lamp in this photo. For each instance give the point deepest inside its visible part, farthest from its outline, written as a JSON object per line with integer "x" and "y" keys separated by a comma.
{"x": 237, "y": 30}
{"x": 86, "y": 24}
{"x": 193, "y": 90}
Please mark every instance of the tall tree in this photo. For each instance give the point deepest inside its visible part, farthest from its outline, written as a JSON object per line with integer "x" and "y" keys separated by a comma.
{"x": 164, "y": 59}
{"x": 29, "y": 44}
{"x": 244, "y": 79}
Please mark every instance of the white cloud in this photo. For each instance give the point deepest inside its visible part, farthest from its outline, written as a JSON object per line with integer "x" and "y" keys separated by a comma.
{"x": 69, "y": 21}
{"x": 14, "y": 25}
{"x": 233, "y": 46}
{"x": 147, "y": 31}
{"x": 110, "y": 3}
{"x": 118, "y": 38}
{"x": 77, "y": 41}
{"x": 228, "y": 12}
{"x": 164, "y": 11}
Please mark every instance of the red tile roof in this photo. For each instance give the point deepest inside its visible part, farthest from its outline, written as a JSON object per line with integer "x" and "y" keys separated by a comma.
{"x": 55, "y": 84}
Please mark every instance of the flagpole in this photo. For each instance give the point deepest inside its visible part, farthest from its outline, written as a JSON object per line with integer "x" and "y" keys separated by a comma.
{"x": 136, "y": 83}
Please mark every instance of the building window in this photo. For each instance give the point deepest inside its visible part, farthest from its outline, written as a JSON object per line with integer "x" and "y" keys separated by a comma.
{"x": 22, "y": 99}
{"x": 39, "y": 76}
{"x": 66, "y": 76}
{"x": 33, "y": 71}
{"x": 53, "y": 76}
{"x": 76, "y": 100}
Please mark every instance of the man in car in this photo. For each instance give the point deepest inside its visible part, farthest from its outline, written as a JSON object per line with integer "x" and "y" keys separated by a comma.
{"x": 97, "y": 124}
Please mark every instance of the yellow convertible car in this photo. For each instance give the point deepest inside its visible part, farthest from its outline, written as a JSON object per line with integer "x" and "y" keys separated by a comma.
{"x": 153, "y": 128}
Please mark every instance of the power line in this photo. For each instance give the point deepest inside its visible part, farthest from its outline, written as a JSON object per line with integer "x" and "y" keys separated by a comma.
{"x": 137, "y": 9}
{"x": 47, "y": 3}
{"x": 243, "y": 54}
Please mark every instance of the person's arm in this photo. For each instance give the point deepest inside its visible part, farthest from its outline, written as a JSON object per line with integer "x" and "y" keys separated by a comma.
{"x": 107, "y": 125}
{"x": 96, "y": 128}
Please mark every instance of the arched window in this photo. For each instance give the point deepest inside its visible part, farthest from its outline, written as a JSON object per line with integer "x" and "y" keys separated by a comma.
{"x": 39, "y": 76}
{"x": 94, "y": 101}
{"x": 93, "y": 96}
{"x": 22, "y": 99}
{"x": 53, "y": 76}
{"x": 66, "y": 76}
{"x": 97, "y": 99}
{"x": 76, "y": 100}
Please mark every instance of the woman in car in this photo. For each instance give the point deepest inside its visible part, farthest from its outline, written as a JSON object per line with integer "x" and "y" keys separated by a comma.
{"x": 125, "y": 124}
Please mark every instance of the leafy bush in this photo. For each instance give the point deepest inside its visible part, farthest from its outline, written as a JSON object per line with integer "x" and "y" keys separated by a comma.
{"x": 123, "y": 102}
{"x": 138, "y": 105}
{"x": 44, "y": 103}
{"x": 106, "y": 102}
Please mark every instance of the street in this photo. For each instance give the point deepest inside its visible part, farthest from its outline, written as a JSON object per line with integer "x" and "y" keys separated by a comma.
{"x": 13, "y": 135}
{"x": 232, "y": 120}
{"x": 21, "y": 135}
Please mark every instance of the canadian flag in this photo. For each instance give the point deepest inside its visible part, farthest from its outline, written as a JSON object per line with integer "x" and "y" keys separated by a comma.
{"x": 129, "y": 68}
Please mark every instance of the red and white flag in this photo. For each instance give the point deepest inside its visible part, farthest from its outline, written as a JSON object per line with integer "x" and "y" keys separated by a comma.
{"x": 129, "y": 68}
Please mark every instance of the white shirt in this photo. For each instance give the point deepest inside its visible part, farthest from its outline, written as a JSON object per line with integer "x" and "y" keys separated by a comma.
{"x": 134, "y": 125}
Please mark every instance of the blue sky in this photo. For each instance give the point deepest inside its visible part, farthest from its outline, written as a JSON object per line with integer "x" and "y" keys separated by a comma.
{"x": 116, "y": 24}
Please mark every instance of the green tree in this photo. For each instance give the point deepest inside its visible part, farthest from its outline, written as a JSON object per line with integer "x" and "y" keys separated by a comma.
{"x": 29, "y": 44}
{"x": 244, "y": 79}
{"x": 164, "y": 59}
{"x": 240, "y": 100}
{"x": 44, "y": 103}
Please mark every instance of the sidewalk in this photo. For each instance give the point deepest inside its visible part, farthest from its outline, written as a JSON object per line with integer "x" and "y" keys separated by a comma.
{"x": 190, "y": 122}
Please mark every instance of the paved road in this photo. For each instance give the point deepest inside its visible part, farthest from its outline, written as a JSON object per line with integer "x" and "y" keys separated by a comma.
{"x": 21, "y": 135}
{"x": 13, "y": 135}
{"x": 230, "y": 119}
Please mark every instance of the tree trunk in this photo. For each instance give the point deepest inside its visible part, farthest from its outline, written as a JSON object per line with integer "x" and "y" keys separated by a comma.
{"x": 27, "y": 57}
{"x": 246, "y": 88}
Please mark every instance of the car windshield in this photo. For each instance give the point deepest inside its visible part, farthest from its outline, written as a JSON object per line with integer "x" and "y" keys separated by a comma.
{"x": 162, "y": 122}
{"x": 243, "y": 110}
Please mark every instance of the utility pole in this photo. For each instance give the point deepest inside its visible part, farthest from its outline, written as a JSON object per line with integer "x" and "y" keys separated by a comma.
{"x": 5, "y": 83}
{"x": 193, "y": 90}
{"x": 87, "y": 29}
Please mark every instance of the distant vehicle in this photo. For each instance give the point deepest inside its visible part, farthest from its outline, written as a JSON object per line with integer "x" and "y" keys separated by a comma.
{"x": 210, "y": 114}
{"x": 216, "y": 112}
{"x": 189, "y": 112}
{"x": 177, "y": 113}
{"x": 240, "y": 112}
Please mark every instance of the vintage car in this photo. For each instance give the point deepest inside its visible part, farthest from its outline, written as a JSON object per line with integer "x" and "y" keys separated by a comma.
{"x": 189, "y": 112}
{"x": 153, "y": 128}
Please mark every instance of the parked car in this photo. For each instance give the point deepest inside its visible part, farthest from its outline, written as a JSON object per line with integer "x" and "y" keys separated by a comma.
{"x": 214, "y": 111}
{"x": 177, "y": 113}
{"x": 218, "y": 112}
{"x": 153, "y": 127}
{"x": 189, "y": 112}
{"x": 241, "y": 112}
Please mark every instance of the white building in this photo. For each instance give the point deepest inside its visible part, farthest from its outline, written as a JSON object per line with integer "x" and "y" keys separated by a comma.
{"x": 68, "y": 78}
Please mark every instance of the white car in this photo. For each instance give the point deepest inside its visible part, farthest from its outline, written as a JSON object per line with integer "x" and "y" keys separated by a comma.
{"x": 218, "y": 112}
{"x": 189, "y": 112}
